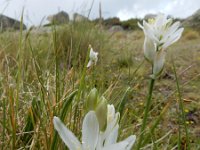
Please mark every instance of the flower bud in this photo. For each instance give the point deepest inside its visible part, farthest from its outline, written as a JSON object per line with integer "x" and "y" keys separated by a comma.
{"x": 91, "y": 102}
{"x": 101, "y": 112}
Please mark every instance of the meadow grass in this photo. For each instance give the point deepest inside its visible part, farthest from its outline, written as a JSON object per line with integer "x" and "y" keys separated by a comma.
{"x": 43, "y": 74}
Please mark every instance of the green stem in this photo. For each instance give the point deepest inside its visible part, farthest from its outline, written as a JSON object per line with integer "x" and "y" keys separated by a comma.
{"x": 182, "y": 114}
{"x": 57, "y": 63}
{"x": 148, "y": 104}
{"x": 82, "y": 82}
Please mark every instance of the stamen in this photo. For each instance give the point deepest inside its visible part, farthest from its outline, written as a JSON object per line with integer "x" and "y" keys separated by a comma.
{"x": 151, "y": 21}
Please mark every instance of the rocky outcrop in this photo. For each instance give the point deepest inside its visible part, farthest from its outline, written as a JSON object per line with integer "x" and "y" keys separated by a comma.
{"x": 9, "y": 23}
{"x": 61, "y": 17}
{"x": 78, "y": 18}
{"x": 116, "y": 28}
{"x": 193, "y": 20}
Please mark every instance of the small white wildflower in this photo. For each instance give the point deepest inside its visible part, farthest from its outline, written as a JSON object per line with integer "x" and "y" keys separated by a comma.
{"x": 159, "y": 34}
{"x": 93, "y": 57}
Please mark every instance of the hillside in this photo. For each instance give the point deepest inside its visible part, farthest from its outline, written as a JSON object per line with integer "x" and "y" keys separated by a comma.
{"x": 193, "y": 20}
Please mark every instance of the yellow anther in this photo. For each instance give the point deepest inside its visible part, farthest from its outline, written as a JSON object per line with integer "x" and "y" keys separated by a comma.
{"x": 151, "y": 20}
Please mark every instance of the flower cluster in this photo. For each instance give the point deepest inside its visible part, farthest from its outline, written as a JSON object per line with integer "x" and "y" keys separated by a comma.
{"x": 159, "y": 33}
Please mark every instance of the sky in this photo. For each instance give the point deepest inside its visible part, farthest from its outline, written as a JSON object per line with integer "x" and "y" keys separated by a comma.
{"x": 36, "y": 11}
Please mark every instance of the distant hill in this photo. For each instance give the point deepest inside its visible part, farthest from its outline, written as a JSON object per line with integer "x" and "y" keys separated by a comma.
{"x": 193, "y": 20}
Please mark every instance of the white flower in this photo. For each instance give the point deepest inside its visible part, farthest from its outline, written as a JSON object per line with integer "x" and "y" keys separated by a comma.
{"x": 110, "y": 135}
{"x": 93, "y": 57}
{"x": 159, "y": 34}
{"x": 92, "y": 137}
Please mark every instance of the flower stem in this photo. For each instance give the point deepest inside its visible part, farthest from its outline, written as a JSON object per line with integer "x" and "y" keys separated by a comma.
{"x": 182, "y": 119}
{"x": 82, "y": 81}
{"x": 148, "y": 104}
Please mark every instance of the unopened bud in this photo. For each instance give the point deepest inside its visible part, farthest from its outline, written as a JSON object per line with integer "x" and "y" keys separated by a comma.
{"x": 91, "y": 101}
{"x": 101, "y": 112}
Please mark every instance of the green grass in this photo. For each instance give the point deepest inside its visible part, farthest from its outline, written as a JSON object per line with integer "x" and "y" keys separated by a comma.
{"x": 42, "y": 74}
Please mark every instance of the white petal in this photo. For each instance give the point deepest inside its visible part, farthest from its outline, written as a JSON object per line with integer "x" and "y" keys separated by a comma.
{"x": 112, "y": 137}
{"x": 160, "y": 20}
{"x": 117, "y": 146}
{"x": 96, "y": 54}
{"x": 91, "y": 52}
{"x": 112, "y": 121}
{"x": 173, "y": 28}
{"x": 149, "y": 49}
{"x": 89, "y": 63}
{"x": 140, "y": 26}
{"x": 131, "y": 140}
{"x": 111, "y": 112}
{"x": 170, "y": 31}
{"x": 90, "y": 131}
{"x": 111, "y": 124}
{"x": 66, "y": 135}
{"x": 100, "y": 141}
{"x": 93, "y": 57}
{"x": 96, "y": 58}
{"x": 175, "y": 37}
{"x": 150, "y": 32}
{"x": 159, "y": 62}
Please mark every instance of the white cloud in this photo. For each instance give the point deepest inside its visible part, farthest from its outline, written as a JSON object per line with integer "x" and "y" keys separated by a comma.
{"x": 35, "y": 10}
{"x": 176, "y": 8}
{"x": 182, "y": 8}
{"x": 136, "y": 12}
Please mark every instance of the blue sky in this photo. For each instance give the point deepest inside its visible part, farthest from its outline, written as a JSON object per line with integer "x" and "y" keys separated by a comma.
{"x": 37, "y": 10}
